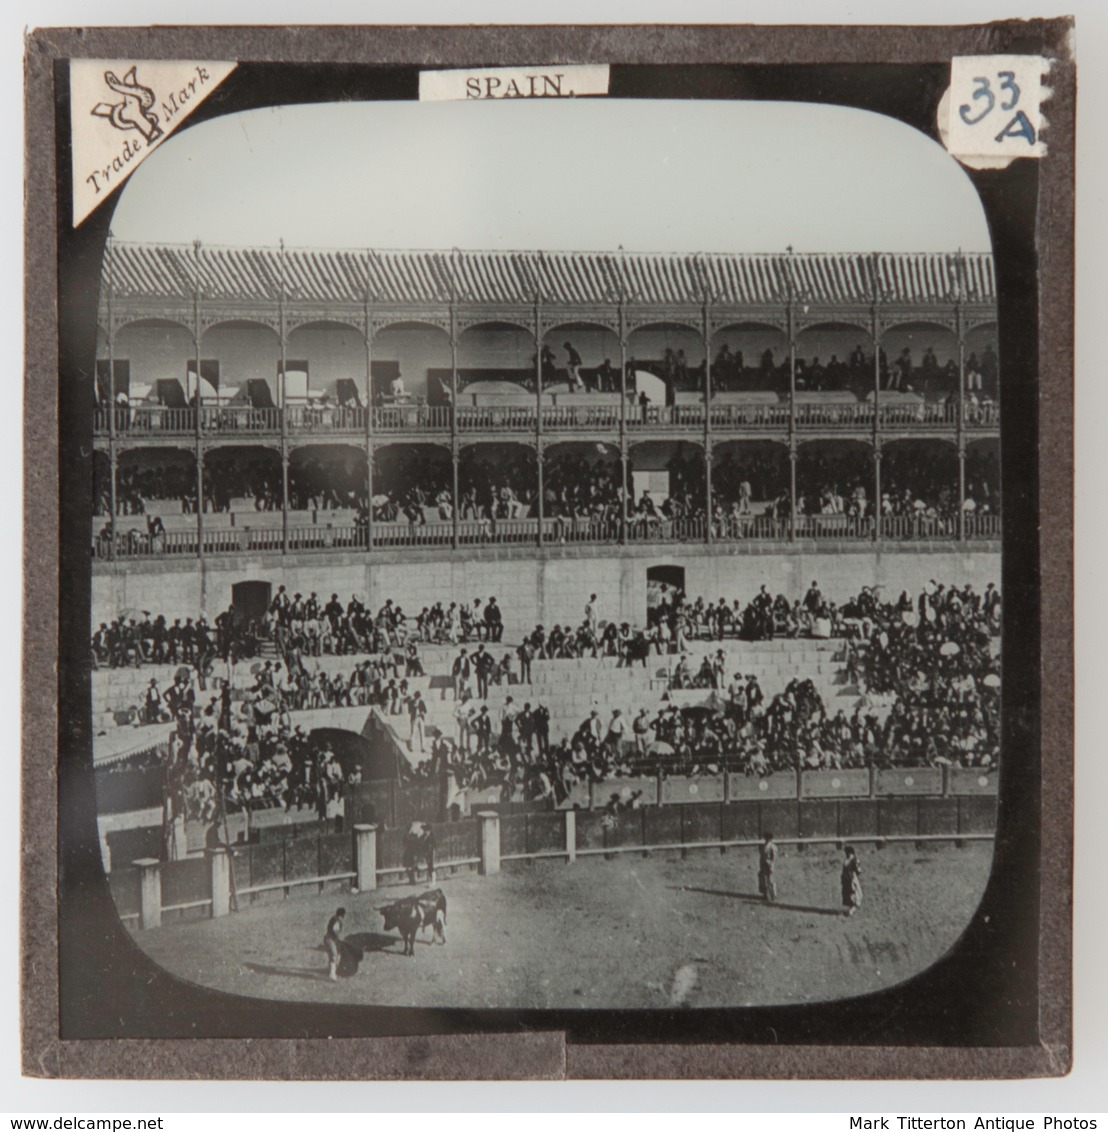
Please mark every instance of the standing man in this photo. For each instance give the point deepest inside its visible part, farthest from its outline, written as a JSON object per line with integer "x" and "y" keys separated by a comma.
{"x": 617, "y": 732}
{"x": 592, "y": 616}
{"x": 417, "y": 713}
{"x": 641, "y": 729}
{"x": 483, "y": 665}
{"x": 851, "y": 882}
{"x": 460, "y": 673}
{"x": 332, "y": 943}
{"x": 573, "y": 366}
{"x": 526, "y": 652}
{"x": 482, "y": 728}
{"x": 540, "y": 721}
{"x": 767, "y": 860}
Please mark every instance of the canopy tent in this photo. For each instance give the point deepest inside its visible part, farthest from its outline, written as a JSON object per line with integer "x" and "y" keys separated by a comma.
{"x": 258, "y": 394}
{"x": 209, "y": 394}
{"x": 296, "y": 391}
{"x": 167, "y": 391}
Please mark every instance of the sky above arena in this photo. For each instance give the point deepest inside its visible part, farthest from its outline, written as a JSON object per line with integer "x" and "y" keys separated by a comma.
{"x": 582, "y": 174}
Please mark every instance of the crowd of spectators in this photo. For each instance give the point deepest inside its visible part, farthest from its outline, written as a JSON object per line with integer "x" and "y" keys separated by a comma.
{"x": 313, "y": 484}
{"x": 235, "y": 744}
{"x": 926, "y": 675}
{"x": 921, "y": 373}
{"x": 928, "y": 695}
{"x": 213, "y": 768}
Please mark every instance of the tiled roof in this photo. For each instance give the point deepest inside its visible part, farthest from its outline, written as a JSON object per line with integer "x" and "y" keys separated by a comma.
{"x": 252, "y": 274}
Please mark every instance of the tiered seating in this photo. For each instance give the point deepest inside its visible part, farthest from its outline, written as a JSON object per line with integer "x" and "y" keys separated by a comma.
{"x": 571, "y": 688}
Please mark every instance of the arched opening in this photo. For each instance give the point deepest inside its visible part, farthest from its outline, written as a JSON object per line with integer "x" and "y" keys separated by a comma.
{"x": 417, "y": 354}
{"x": 667, "y": 491}
{"x": 244, "y": 480}
{"x": 411, "y": 482}
{"x": 834, "y": 357}
{"x": 919, "y": 489}
{"x": 982, "y": 501}
{"x": 495, "y": 360}
{"x": 581, "y": 357}
{"x": 328, "y": 478}
{"x": 749, "y": 358}
{"x": 663, "y": 584}
{"x": 582, "y": 489}
{"x": 674, "y": 354}
{"x": 982, "y": 363}
{"x": 145, "y": 352}
{"x": 243, "y": 356}
{"x": 497, "y": 481}
{"x": 835, "y": 487}
{"x": 923, "y": 358}
{"x": 156, "y": 481}
{"x": 332, "y": 356}
{"x": 750, "y": 489}
{"x": 250, "y": 600}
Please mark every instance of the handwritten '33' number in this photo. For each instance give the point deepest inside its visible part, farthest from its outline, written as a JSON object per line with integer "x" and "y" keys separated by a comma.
{"x": 1019, "y": 126}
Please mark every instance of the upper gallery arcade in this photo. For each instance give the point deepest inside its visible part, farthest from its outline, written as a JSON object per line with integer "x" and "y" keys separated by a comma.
{"x": 637, "y": 359}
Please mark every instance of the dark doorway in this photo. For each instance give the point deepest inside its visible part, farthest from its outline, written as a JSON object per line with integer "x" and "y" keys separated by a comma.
{"x": 250, "y": 600}
{"x": 662, "y": 582}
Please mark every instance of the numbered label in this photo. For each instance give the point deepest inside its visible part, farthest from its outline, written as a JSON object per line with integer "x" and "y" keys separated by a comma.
{"x": 993, "y": 106}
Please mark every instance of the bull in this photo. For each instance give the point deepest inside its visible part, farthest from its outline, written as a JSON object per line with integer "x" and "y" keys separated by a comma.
{"x": 413, "y": 913}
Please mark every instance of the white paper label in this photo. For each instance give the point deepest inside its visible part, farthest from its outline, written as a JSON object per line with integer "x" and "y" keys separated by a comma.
{"x": 121, "y": 110}
{"x": 993, "y": 106}
{"x": 512, "y": 82}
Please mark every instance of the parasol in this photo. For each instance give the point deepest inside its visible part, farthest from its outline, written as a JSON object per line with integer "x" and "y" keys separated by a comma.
{"x": 950, "y": 648}
{"x": 182, "y": 673}
{"x": 256, "y": 667}
{"x": 991, "y": 681}
{"x": 658, "y": 747}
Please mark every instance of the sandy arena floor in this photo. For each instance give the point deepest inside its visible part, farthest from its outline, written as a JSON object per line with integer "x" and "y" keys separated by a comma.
{"x": 631, "y": 932}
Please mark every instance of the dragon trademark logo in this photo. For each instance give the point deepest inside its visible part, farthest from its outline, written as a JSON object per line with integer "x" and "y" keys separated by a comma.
{"x": 134, "y": 111}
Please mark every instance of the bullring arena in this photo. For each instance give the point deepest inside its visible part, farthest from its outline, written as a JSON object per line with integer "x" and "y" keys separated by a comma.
{"x": 738, "y": 521}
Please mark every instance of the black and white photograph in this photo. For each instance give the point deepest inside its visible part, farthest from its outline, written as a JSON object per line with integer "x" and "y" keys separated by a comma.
{"x": 548, "y": 550}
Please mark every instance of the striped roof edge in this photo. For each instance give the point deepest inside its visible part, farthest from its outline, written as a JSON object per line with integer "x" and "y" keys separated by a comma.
{"x": 164, "y": 271}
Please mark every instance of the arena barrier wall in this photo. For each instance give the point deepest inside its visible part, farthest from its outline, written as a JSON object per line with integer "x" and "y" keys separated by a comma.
{"x": 223, "y": 879}
{"x": 394, "y": 805}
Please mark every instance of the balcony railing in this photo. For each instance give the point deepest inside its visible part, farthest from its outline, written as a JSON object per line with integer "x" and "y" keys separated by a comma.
{"x": 411, "y": 418}
{"x": 741, "y": 417}
{"x": 838, "y": 416}
{"x": 566, "y": 418}
{"x": 657, "y": 417}
{"x": 496, "y": 418}
{"x": 317, "y": 537}
{"x": 335, "y": 419}
{"x": 833, "y": 528}
{"x": 225, "y": 419}
{"x": 983, "y": 414}
{"x": 665, "y": 530}
{"x": 146, "y": 419}
{"x": 982, "y": 526}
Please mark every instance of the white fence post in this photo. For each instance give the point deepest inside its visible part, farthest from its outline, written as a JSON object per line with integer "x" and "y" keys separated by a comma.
{"x": 571, "y": 836}
{"x": 219, "y": 862}
{"x": 365, "y": 857}
{"x": 490, "y": 842}
{"x": 150, "y": 892}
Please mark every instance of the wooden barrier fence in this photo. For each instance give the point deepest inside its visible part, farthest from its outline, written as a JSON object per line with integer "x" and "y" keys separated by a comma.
{"x": 368, "y": 855}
